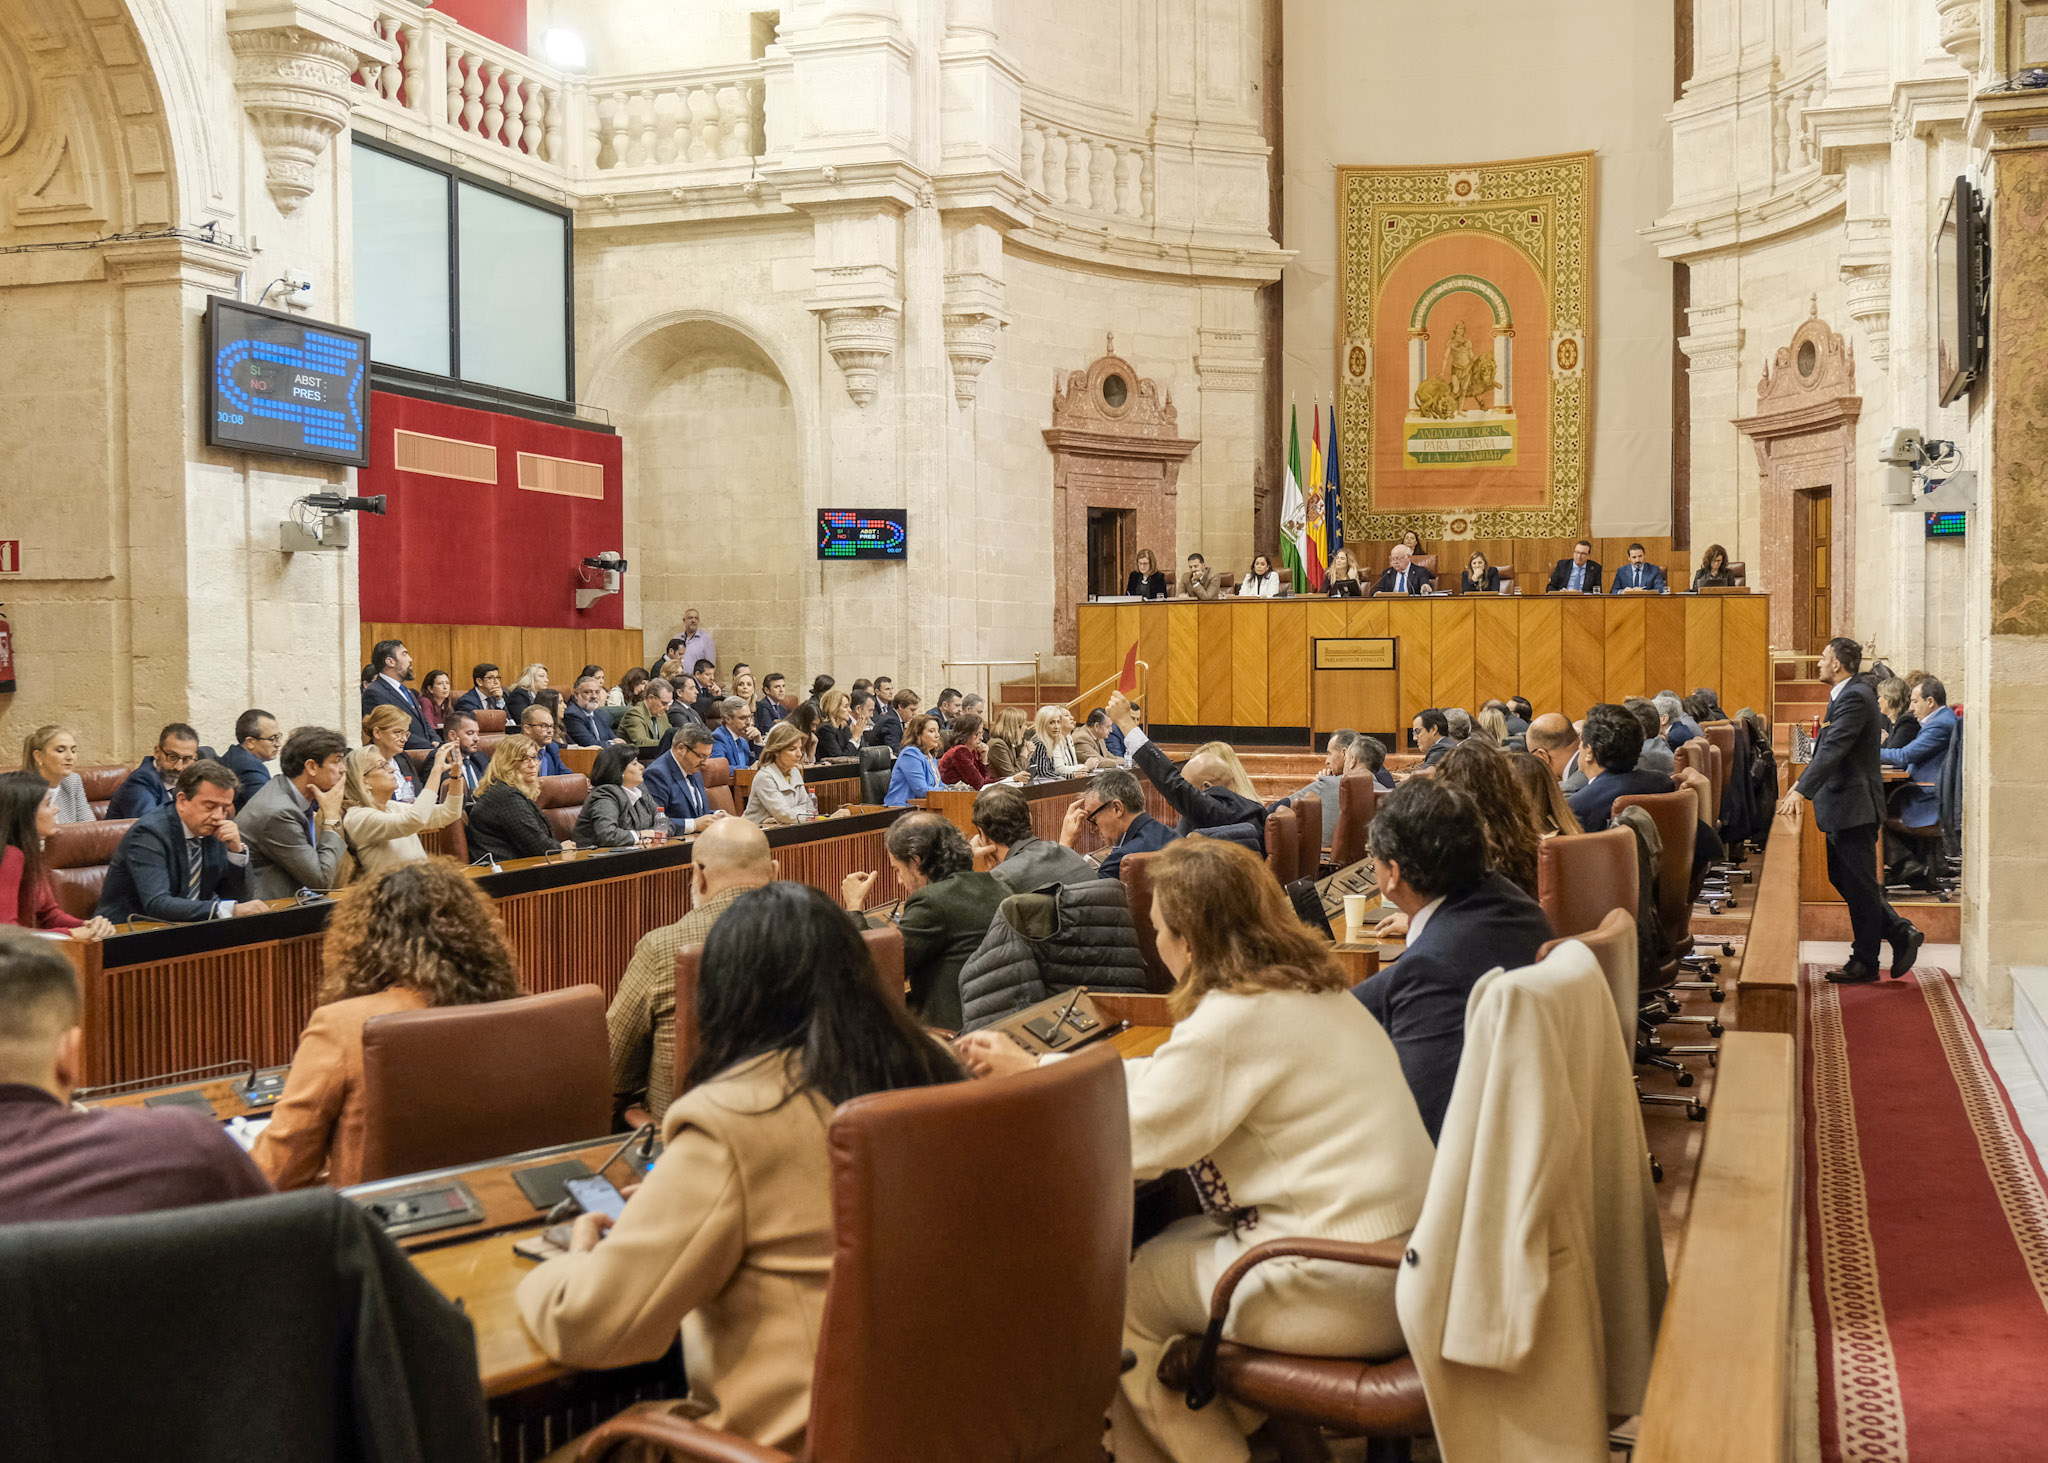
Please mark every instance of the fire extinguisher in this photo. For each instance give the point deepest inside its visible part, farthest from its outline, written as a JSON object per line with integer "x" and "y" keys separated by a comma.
{"x": 6, "y": 655}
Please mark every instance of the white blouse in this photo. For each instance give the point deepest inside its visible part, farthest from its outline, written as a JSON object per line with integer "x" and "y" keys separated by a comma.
{"x": 1260, "y": 586}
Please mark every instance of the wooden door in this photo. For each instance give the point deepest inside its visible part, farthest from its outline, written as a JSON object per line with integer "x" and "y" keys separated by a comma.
{"x": 1812, "y": 568}
{"x": 1112, "y": 549}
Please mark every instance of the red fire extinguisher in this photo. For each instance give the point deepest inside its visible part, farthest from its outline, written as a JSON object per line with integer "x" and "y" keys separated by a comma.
{"x": 6, "y": 655}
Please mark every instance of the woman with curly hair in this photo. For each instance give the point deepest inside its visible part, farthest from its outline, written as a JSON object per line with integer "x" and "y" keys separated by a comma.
{"x": 1481, "y": 772}
{"x": 415, "y": 936}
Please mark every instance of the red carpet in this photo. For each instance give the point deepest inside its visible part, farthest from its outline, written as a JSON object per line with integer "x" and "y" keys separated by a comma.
{"x": 1927, "y": 1232}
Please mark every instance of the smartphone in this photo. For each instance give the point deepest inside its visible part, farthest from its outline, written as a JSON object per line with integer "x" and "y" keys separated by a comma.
{"x": 596, "y": 1196}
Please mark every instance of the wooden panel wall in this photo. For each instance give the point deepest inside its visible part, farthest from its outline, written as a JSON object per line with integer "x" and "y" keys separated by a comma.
{"x": 456, "y": 648}
{"x": 1247, "y": 664}
{"x": 1529, "y": 557}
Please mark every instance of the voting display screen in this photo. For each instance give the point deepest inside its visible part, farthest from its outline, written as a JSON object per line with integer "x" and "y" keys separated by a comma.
{"x": 278, "y": 384}
{"x": 863, "y": 533}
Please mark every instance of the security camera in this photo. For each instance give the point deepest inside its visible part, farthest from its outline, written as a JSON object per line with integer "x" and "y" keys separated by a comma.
{"x": 607, "y": 567}
{"x": 1901, "y": 455}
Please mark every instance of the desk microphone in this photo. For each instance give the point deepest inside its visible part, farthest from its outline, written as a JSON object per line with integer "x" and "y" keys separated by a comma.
{"x": 483, "y": 859}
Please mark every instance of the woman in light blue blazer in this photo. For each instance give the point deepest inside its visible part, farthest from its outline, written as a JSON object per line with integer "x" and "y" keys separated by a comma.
{"x": 917, "y": 770}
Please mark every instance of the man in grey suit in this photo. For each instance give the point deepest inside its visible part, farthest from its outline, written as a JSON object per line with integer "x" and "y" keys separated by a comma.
{"x": 1022, "y": 860}
{"x": 293, "y": 824}
{"x": 1845, "y": 780}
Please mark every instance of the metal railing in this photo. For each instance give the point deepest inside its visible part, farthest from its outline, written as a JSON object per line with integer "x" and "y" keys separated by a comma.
{"x": 988, "y": 688}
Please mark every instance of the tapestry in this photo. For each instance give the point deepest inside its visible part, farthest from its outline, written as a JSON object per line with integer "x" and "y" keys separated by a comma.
{"x": 1464, "y": 389}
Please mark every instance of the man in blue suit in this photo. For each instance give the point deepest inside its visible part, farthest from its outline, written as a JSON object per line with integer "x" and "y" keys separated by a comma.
{"x": 1639, "y": 573}
{"x": 183, "y": 861}
{"x": 734, "y": 740}
{"x": 1918, "y": 804}
{"x": 675, "y": 781}
{"x": 1580, "y": 573}
{"x": 582, "y": 723}
{"x": 537, "y": 725}
{"x": 393, "y": 664}
{"x": 462, "y": 730}
{"x": 149, "y": 786}
{"x": 1114, "y": 806}
{"x": 486, "y": 689}
{"x": 257, "y": 740}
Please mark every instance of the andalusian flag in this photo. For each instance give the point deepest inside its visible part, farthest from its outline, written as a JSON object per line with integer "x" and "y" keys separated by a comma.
{"x": 1333, "y": 509}
{"x": 1316, "y": 556}
{"x": 1293, "y": 513}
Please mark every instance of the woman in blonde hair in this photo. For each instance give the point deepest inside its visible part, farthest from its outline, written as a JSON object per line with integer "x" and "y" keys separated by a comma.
{"x": 385, "y": 728}
{"x": 1053, "y": 753}
{"x": 505, "y": 821}
{"x": 1285, "y": 1099}
{"x": 1009, "y": 743}
{"x": 1494, "y": 723}
{"x": 382, "y": 833}
{"x": 532, "y": 681}
{"x": 777, "y": 798}
{"x": 51, "y": 753}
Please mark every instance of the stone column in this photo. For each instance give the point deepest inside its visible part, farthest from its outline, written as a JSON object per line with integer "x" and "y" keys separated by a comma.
{"x": 1713, "y": 349}
{"x": 2005, "y": 877}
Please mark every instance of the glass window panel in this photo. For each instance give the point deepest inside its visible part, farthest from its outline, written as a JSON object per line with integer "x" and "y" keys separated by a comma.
{"x": 401, "y": 261}
{"x": 514, "y": 273}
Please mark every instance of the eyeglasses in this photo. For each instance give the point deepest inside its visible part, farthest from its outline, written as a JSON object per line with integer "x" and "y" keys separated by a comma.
{"x": 270, "y": 740}
{"x": 1089, "y": 815}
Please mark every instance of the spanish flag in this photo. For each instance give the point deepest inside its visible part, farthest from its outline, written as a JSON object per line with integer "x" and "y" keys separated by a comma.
{"x": 1317, "y": 559}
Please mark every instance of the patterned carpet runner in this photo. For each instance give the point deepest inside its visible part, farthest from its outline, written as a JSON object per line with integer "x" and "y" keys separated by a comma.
{"x": 1927, "y": 1232}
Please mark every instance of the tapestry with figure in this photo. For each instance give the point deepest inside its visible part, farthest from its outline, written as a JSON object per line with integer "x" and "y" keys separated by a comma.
{"x": 1464, "y": 390}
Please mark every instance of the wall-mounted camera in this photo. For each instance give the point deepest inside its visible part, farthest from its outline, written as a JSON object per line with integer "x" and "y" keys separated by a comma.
{"x": 599, "y": 575}
{"x": 319, "y": 522}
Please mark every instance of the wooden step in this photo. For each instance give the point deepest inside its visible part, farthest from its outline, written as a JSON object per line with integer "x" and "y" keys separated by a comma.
{"x": 1018, "y": 693}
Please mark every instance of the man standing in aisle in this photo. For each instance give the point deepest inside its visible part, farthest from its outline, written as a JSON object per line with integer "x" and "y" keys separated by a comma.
{"x": 1846, "y": 784}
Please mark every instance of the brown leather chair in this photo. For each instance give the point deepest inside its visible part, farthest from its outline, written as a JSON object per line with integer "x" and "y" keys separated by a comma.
{"x": 1677, "y": 816}
{"x": 101, "y": 783}
{"x": 1740, "y": 571}
{"x": 717, "y": 779}
{"x": 1135, "y": 874}
{"x": 490, "y": 721}
{"x": 1614, "y": 946}
{"x": 1283, "y": 845}
{"x": 561, "y": 801}
{"x": 459, "y": 1084}
{"x": 1308, "y": 825}
{"x": 450, "y": 842}
{"x": 1698, "y": 756}
{"x": 487, "y": 742}
{"x": 1358, "y": 798}
{"x": 1582, "y": 877}
{"x": 1424, "y": 561}
{"x": 1507, "y": 577}
{"x": 975, "y": 1310}
{"x": 1721, "y": 735}
{"x": 886, "y": 946}
{"x": 75, "y": 859}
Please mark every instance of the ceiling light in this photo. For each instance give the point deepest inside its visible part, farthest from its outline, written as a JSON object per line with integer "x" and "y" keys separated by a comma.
{"x": 564, "y": 49}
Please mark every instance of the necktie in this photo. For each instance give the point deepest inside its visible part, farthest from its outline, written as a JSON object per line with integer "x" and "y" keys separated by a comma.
{"x": 1401, "y": 582}
{"x": 197, "y": 866}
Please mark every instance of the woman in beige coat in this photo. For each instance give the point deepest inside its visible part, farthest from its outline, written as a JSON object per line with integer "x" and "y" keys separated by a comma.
{"x": 381, "y": 833}
{"x": 730, "y": 1235}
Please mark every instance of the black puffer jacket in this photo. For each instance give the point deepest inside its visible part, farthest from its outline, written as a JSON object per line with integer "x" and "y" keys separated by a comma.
{"x": 1052, "y": 940}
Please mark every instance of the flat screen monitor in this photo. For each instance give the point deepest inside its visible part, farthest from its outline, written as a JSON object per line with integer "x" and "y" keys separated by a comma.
{"x": 863, "y": 533}
{"x": 1959, "y": 247}
{"x": 286, "y": 386}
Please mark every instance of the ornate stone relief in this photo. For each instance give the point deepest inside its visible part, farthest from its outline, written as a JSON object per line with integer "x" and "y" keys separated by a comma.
{"x": 295, "y": 86}
{"x": 970, "y": 345}
{"x": 861, "y": 339}
{"x": 1962, "y": 30}
{"x": 1869, "y": 283}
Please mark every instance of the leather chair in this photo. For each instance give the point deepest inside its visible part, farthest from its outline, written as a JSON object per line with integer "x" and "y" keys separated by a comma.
{"x": 490, "y": 721}
{"x": 1740, "y": 571}
{"x": 75, "y": 859}
{"x": 975, "y": 1310}
{"x": 1582, "y": 877}
{"x": 1721, "y": 736}
{"x": 1358, "y": 798}
{"x": 101, "y": 783}
{"x": 876, "y": 766}
{"x": 885, "y": 945}
{"x": 1614, "y": 945}
{"x": 459, "y": 1084}
{"x": 716, "y": 775}
{"x": 450, "y": 842}
{"x": 561, "y": 802}
{"x": 487, "y": 742}
{"x": 1308, "y": 830}
{"x": 1425, "y": 561}
{"x": 1283, "y": 845}
{"x": 1676, "y": 815}
{"x": 1135, "y": 874}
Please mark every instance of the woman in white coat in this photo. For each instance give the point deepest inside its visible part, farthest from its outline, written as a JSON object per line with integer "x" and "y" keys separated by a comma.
{"x": 381, "y": 832}
{"x": 1261, "y": 582}
{"x": 1284, "y": 1100}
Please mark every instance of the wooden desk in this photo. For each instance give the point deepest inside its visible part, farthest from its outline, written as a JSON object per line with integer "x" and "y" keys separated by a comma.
{"x": 1248, "y": 663}
{"x": 1814, "y": 887}
{"x": 1767, "y": 991}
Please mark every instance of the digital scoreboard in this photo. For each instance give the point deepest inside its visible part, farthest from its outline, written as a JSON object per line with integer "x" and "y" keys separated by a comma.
{"x": 863, "y": 533}
{"x": 278, "y": 384}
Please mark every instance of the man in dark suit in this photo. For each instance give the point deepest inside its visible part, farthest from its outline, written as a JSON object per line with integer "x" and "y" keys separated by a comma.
{"x": 1638, "y": 573}
{"x": 537, "y": 725}
{"x": 582, "y": 723}
{"x": 257, "y": 740}
{"x": 675, "y": 781}
{"x": 888, "y": 728}
{"x": 1431, "y": 731}
{"x": 185, "y": 861}
{"x": 1428, "y": 849}
{"x": 1581, "y": 571}
{"x": 1403, "y": 575}
{"x": 486, "y": 691}
{"x": 1846, "y": 784}
{"x": 1201, "y": 793}
{"x": 769, "y": 709}
{"x": 1114, "y": 806}
{"x": 462, "y": 731}
{"x": 149, "y": 786}
{"x": 394, "y": 668}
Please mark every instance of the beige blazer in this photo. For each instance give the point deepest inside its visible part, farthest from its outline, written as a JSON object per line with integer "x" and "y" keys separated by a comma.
{"x": 730, "y": 1237}
{"x": 381, "y": 838}
{"x": 318, "y": 1123}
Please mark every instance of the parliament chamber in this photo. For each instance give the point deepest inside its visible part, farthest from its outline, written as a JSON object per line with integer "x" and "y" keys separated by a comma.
{"x": 878, "y": 731}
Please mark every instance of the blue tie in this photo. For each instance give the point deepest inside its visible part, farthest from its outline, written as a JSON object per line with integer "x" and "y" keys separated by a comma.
{"x": 1578, "y": 576}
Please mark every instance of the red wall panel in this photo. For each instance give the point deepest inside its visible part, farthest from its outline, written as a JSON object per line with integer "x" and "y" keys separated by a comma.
{"x": 451, "y": 552}
{"x": 504, "y": 21}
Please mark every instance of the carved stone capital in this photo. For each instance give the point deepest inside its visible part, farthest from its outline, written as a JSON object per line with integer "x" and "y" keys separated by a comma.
{"x": 861, "y": 339}
{"x": 295, "y": 86}
{"x": 1869, "y": 286}
{"x": 970, "y": 345}
{"x": 1719, "y": 350}
{"x": 1962, "y": 30}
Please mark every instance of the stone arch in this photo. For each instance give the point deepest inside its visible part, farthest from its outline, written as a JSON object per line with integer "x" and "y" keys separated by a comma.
{"x": 86, "y": 146}
{"x": 715, "y": 483}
